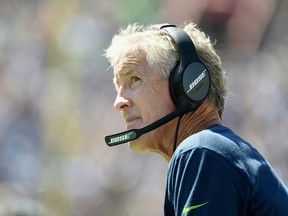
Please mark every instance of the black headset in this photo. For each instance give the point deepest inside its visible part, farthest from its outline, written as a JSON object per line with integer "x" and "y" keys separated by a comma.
{"x": 189, "y": 81}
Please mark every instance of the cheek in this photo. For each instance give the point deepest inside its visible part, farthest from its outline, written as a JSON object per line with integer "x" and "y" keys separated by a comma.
{"x": 163, "y": 97}
{"x": 158, "y": 103}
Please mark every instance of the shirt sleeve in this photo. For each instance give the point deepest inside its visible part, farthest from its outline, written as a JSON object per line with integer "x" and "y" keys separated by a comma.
{"x": 202, "y": 182}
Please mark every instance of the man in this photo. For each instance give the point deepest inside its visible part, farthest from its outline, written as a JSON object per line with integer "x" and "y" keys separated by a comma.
{"x": 160, "y": 73}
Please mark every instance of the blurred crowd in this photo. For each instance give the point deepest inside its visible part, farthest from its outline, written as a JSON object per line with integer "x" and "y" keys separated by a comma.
{"x": 56, "y": 99}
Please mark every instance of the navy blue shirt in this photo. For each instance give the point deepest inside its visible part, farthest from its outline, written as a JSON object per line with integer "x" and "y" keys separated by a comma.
{"x": 215, "y": 172}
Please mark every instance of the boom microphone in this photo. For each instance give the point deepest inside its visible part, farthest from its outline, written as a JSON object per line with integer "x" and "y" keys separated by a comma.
{"x": 127, "y": 136}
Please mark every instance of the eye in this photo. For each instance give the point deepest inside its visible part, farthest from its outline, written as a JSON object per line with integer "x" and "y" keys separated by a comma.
{"x": 135, "y": 79}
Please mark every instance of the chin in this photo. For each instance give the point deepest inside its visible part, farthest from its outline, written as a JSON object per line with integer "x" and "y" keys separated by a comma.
{"x": 139, "y": 145}
{"x": 136, "y": 146}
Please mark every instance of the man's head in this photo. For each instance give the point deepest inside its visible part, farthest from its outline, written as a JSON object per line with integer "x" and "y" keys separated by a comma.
{"x": 143, "y": 58}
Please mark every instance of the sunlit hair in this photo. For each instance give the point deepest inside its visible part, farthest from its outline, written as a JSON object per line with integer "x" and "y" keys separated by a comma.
{"x": 162, "y": 56}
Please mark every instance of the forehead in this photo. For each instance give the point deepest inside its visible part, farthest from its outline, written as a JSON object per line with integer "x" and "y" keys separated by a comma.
{"x": 129, "y": 63}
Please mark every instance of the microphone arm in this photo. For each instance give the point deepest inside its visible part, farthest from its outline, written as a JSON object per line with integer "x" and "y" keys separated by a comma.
{"x": 127, "y": 136}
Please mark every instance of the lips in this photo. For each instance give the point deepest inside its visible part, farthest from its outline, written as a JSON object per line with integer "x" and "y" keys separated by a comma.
{"x": 132, "y": 121}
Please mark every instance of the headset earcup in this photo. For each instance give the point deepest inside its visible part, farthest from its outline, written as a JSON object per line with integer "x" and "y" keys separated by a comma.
{"x": 189, "y": 86}
{"x": 196, "y": 82}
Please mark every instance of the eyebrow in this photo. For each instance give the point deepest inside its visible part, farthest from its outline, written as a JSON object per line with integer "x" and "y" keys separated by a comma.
{"x": 121, "y": 74}
{"x": 125, "y": 73}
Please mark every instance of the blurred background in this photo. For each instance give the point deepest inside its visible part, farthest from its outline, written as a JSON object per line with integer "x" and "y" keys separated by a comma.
{"x": 56, "y": 99}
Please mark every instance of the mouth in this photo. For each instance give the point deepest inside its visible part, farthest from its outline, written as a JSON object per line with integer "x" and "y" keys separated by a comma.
{"x": 132, "y": 122}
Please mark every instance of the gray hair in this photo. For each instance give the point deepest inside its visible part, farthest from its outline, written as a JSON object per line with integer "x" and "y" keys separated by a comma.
{"x": 161, "y": 54}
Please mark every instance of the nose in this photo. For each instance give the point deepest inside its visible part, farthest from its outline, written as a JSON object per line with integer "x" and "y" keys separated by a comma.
{"x": 122, "y": 101}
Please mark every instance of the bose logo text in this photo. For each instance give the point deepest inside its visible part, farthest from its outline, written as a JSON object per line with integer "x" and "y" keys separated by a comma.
{"x": 121, "y": 138}
{"x": 196, "y": 81}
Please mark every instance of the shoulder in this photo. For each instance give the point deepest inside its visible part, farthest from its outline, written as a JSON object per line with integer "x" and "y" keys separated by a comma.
{"x": 217, "y": 138}
{"x": 224, "y": 144}
{"x": 237, "y": 170}
{"x": 195, "y": 162}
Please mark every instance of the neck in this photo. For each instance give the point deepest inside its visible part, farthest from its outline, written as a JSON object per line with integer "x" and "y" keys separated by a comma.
{"x": 198, "y": 120}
